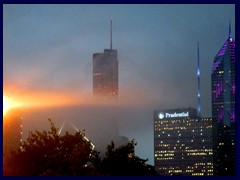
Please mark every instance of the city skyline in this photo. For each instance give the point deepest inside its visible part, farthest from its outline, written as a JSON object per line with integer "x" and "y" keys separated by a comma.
{"x": 48, "y": 53}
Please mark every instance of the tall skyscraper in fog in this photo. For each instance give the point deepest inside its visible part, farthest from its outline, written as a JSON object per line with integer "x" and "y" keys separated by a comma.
{"x": 105, "y": 72}
{"x": 105, "y": 85}
{"x": 223, "y": 108}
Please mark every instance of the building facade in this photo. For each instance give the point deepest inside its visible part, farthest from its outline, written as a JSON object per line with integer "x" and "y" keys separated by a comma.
{"x": 12, "y": 131}
{"x": 182, "y": 143}
{"x": 223, "y": 108}
{"x": 105, "y": 73}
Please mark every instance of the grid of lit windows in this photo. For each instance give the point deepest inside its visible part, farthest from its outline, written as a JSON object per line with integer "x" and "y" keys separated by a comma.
{"x": 183, "y": 146}
{"x": 105, "y": 73}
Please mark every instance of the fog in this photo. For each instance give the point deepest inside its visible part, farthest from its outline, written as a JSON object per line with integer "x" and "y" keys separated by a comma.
{"x": 47, "y": 64}
{"x": 103, "y": 120}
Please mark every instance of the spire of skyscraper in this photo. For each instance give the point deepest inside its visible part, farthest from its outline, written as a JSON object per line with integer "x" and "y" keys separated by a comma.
{"x": 230, "y": 33}
{"x": 198, "y": 76}
{"x": 111, "y": 34}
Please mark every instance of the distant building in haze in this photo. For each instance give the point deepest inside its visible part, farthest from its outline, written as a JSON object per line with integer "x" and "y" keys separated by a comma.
{"x": 182, "y": 143}
{"x": 105, "y": 87}
{"x": 105, "y": 72}
{"x": 12, "y": 131}
{"x": 223, "y": 108}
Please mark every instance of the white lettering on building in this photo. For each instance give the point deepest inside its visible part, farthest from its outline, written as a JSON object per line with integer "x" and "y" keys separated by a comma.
{"x": 173, "y": 115}
{"x": 183, "y": 114}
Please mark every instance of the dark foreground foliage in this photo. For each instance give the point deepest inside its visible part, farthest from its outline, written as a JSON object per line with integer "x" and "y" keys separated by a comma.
{"x": 122, "y": 161}
{"x": 48, "y": 154}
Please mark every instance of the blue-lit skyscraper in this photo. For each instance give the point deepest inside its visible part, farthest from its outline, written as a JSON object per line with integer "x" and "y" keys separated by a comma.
{"x": 223, "y": 108}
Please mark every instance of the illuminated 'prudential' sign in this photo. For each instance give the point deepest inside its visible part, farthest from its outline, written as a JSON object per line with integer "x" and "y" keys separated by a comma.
{"x": 162, "y": 115}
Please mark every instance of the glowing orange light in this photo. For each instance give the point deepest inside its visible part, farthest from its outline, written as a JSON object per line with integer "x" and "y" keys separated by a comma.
{"x": 6, "y": 105}
{"x": 27, "y": 98}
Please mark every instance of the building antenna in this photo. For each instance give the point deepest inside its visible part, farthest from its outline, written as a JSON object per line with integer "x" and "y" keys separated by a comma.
{"x": 230, "y": 33}
{"x": 111, "y": 34}
{"x": 198, "y": 76}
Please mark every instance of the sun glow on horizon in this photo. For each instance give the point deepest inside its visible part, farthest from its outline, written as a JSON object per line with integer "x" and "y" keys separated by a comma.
{"x": 9, "y": 103}
{"x": 6, "y": 105}
{"x": 36, "y": 99}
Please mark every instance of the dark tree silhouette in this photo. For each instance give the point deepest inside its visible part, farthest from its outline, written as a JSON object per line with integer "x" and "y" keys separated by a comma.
{"x": 47, "y": 153}
{"x": 122, "y": 161}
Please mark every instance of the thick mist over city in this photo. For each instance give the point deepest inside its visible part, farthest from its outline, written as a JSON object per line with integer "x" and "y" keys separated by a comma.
{"x": 48, "y": 65}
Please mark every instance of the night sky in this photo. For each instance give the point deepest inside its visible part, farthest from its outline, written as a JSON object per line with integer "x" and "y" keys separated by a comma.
{"x": 47, "y": 57}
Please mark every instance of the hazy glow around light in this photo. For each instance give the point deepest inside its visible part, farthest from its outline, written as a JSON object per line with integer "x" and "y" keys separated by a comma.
{"x": 38, "y": 99}
{"x": 6, "y": 105}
